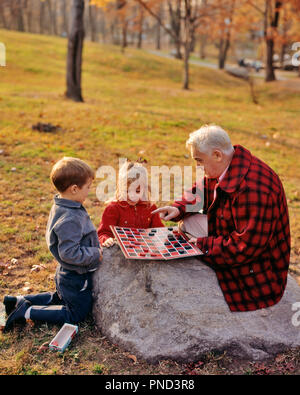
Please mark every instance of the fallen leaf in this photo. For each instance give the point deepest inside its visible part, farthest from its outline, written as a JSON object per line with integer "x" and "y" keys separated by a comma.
{"x": 35, "y": 268}
{"x": 279, "y": 358}
{"x": 133, "y": 357}
{"x": 27, "y": 289}
{"x": 30, "y": 323}
{"x": 43, "y": 347}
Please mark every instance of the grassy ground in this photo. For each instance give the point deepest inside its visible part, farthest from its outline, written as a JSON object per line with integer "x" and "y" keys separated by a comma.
{"x": 134, "y": 106}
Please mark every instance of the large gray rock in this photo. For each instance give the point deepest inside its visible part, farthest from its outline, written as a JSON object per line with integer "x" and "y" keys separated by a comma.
{"x": 176, "y": 310}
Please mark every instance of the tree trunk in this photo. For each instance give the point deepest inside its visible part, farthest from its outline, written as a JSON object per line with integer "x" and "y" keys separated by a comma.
{"x": 203, "y": 40}
{"x": 54, "y": 18}
{"x": 270, "y": 74}
{"x": 29, "y": 17}
{"x": 188, "y": 34}
{"x": 74, "y": 56}
{"x": 158, "y": 37}
{"x": 20, "y": 20}
{"x": 158, "y": 30}
{"x": 50, "y": 25}
{"x": 269, "y": 37}
{"x": 284, "y": 29}
{"x": 178, "y": 54}
{"x": 102, "y": 26}
{"x": 225, "y": 42}
{"x": 193, "y": 42}
{"x": 2, "y": 16}
{"x": 140, "y": 27}
{"x": 92, "y": 11}
{"x": 186, "y": 72}
{"x": 223, "y": 50}
{"x": 65, "y": 24}
{"x": 42, "y": 17}
{"x": 175, "y": 21}
{"x": 282, "y": 54}
{"x": 124, "y": 36}
{"x": 139, "y": 40}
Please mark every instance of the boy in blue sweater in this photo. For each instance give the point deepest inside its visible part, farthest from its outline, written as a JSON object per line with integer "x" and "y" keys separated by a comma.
{"x": 73, "y": 241}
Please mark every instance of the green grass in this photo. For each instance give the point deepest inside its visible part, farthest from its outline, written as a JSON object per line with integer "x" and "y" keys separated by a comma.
{"x": 133, "y": 103}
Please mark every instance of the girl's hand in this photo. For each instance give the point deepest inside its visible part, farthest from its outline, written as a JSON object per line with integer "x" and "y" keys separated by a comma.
{"x": 109, "y": 242}
{"x": 193, "y": 240}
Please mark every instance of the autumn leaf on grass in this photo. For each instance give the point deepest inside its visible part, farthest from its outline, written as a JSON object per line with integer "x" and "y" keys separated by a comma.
{"x": 37, "y": 268}
{"x": 43, "y": 347}
{"x": 280, "y": 358}
{"x": 27, "y": 287}
{"x": 30, "y": 323}
{"x": 133, "y": 358}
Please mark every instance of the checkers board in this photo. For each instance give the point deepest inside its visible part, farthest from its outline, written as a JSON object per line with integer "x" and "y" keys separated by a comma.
{"x": 154, "y": 243}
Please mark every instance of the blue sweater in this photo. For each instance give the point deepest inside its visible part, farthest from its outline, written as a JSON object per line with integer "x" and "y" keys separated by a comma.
{"x": 71, "y": 236}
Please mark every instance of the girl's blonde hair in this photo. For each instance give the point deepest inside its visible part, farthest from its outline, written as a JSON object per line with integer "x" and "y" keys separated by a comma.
{"x": 132, "y": 172}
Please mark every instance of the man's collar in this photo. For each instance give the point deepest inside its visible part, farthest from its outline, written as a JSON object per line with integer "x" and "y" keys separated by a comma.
{"x": 66, "y": 202}
{"x": 237, "y": 170}
{"x": 223, "y": 174}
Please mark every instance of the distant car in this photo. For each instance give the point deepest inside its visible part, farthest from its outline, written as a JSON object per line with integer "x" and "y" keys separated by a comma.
{"x": 254, "y": 64}
{"x": 257, "y": 65}
{"x": 288, "y": 65}
{"x": 245, "y": 62}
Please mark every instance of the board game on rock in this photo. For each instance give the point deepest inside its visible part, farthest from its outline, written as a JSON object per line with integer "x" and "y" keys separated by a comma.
{"x": 154, "y": 243}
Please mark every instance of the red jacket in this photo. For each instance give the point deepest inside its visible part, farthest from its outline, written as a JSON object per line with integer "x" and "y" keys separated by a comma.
{"x": 248, "y": 241}
{"x": 126, "y": 215}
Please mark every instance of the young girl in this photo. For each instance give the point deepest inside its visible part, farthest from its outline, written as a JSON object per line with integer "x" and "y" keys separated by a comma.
{"x": 131, "y": 207}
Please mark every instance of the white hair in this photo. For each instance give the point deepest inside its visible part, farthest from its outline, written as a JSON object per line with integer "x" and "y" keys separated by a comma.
{"x": 208, "y": 138}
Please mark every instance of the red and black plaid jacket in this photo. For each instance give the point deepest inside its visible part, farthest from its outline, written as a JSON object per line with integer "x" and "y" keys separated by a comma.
{"x": 248, "y": 242}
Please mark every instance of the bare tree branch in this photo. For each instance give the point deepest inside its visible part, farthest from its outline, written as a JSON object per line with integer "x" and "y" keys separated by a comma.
{"x": 157, "y": 17}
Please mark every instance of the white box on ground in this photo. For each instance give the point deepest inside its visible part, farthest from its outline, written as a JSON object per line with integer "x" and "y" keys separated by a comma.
{"x": 64, "y": 337}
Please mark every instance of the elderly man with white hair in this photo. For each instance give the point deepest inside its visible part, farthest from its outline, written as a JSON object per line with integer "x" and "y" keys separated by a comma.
{"x": 248, "y": 236}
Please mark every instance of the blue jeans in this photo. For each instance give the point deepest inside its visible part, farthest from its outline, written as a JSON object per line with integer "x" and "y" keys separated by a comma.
{"x": 71, "y": 302}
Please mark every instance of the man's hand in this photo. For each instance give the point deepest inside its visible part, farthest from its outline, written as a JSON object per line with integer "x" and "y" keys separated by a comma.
{"x": 193, "y": 240}
{"x": 109, "y": 242}
{"x": 167, "y": 212}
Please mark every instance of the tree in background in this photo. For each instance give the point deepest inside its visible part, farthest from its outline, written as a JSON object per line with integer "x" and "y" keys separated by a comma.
{"x": 74, "y": 55}
{"x": 192, "y": 14}
{"x": 226, "y": 10}
{"x": 175, "y": 13}
{"x": 270, "y": 12}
